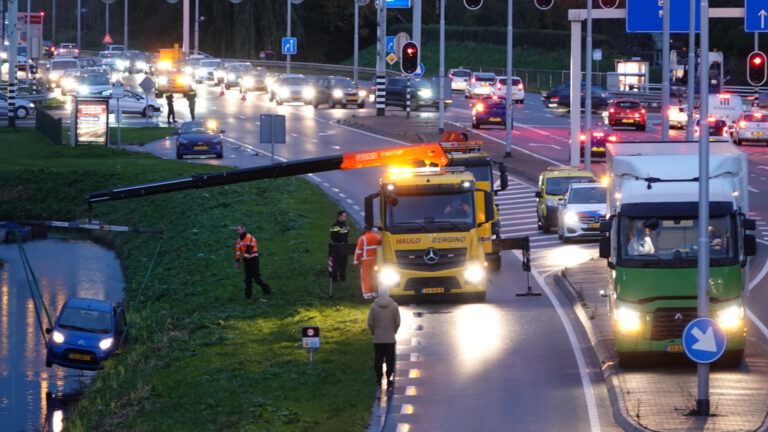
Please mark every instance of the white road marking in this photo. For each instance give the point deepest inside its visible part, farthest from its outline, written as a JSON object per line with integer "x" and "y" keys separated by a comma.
{"x": 760, "y": 275}
{"x": 415, "y": 357}
{"x": 406, "y": 409}
{"x": 371, "y": 134}
{"x": 543, "y": 145}
{"x": 751, "y": 189}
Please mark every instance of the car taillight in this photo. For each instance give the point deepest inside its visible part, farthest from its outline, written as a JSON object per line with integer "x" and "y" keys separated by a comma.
{"x": 480, "y": 107}
{"x": 612, "y": 138}
{"x": 725, "y": 132}
{"x": 672, "y": 111}
{"x": 472, "y": 80}
{"x": 642, "y": 111}
{"x": 582, "y": 138}
{"x": 695, "y": 130}
{"x": 450, "y": 76}
{"x": 520, "y": 87}
{"x": 554, "y": 99}
{"x": 637, "y": 115}
{"x": 498, "y": 86}
{"x": 742, "y": 124}
{"x": 710, "y": 120}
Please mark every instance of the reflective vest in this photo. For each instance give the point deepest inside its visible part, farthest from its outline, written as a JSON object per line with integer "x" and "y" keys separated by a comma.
{"x": 246, "y": 247}
{"x": 366, "y": 247}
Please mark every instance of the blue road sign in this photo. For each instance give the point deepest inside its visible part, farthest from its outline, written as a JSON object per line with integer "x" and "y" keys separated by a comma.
{"x": 289, "y": 45}
{"x": 419, "y": 73}
{"x": 703, "y": 340}
{"x": 755, "y": 12}
{"x": 404, "y": 4}
{"x": 390, "y": 44}
{"x": 644, "y": 16}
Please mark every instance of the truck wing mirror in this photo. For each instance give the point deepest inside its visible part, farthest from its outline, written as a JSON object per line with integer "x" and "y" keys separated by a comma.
{"x": 605, "y": 246}
{"x": 749, "y": 224}
{"x": 503, "y": 177}
{"x": 489, "y": 208}
{"x": 537, "y": 194}
{"x": 606, "y": 226}
{"x": 750, "y": 245}
{"x": 369, "y": 208}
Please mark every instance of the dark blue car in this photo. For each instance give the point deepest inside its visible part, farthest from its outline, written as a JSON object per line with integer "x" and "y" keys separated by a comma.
{"x": 199, "y": 138}
{"x": 489, "y": 110}
{"x": 86, "y": 333}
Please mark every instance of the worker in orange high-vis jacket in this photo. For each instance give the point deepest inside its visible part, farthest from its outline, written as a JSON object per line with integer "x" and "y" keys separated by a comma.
{"x": 365, "y": 256}
{"x": 247, "y": 253}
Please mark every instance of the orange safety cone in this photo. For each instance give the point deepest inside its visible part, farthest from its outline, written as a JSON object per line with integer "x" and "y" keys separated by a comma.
{"x": 221, "y": 91}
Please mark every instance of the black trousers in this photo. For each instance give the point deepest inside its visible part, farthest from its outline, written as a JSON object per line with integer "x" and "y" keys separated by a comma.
{"x": 252, "y": 274}
{"x": 192, "y": 110}
{"x": 171, "y": 113}
{"x": 384, "y": 352}
{"x": 339, "y": 268}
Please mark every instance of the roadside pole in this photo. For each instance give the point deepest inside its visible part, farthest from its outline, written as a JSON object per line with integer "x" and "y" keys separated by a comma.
{"x": 665, "y": 72}
{"x": 13, "y": 36}
{"x": 441, "y": 70}
{"x": 185, "y": 27}
{"x": 408, "y": 98}
{"x": 288, "y": 35}
{"x": 702, "y": 400}
{"x": 197, "y": 27}
{"x": 416, "y": 22}
{"x": 106, "y": 14}
{"x": 79, "y": 12}
{"x": 357, "y": 41}
{"x": 125, "y": 25}
{"x": 508, "y": 120}
{"x": 756, "y": 101}
{"x": 691, "y": 69}
{"x": 28, "y": 67}
{"x": 381, "y": 18}
{"x": 588, "y": 91}
{"x": 53, "y": 20}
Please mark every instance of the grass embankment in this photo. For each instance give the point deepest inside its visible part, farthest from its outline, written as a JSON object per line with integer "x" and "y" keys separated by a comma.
{"x": 139, "y": 135}
{"x": 201, "y": 357}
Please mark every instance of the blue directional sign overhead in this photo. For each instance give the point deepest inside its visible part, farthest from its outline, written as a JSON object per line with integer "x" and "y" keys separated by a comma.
{"x": 755, "y": 12}
{"x": 390, "y": 44}
{"x": 289, "y": 45}
{"x": 403, "y": 4}
{"x": 703, "y": 340}
{"x": 644, "y": 16}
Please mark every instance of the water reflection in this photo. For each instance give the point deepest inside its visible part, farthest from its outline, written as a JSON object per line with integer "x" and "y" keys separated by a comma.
{"x": 64, "y": 269}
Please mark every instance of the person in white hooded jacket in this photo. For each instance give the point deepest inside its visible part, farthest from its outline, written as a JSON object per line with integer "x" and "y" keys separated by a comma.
{"x": 384, "y": 321}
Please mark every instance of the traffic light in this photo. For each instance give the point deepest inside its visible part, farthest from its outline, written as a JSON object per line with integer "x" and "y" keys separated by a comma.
{"x": 410, "y": 58}
{"x": 473, "y": 4}
{"x": 756, "y": 68}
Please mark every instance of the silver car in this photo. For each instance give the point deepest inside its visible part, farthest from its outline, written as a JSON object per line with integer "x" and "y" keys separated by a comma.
{"x": 752, "y": 127}
{"x": 293, "y": 89}
{"x": 23, "y": 107}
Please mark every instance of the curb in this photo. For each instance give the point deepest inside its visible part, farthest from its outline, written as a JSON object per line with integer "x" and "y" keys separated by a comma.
{"x": 609, "y": 368}
{"x": 380, "y": 411}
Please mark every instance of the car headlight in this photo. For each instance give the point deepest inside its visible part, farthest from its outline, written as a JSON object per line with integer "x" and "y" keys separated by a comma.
{"x": 162, "y": 80}
{"x": 269, "y": 80}
{"x": 248, "y": 81}
{"x": 67, "y": 83}
{"x": 54, "y": 76}
{"x": 308, "y": 92}
{"x": 31, "y": 104}
{"x": 105, "y": 344}
{"x": 284, "y": 92}
{"x": 388, "y": 276}
{"x": 338, "y": 94}
{"x": 121, "y": 64}
{"x": 730, "y": 318}
{"x": 57, "y": 337}
{"x": 84, "y": 89}
{"x": 231, "y": 77}
{"x": 628, "y": 319}
{"x": 474, "y": 273}
{"x": 362, "y": 93}
{"x": 571, "y": 218}
{"x": 551, "y": 202}
{"x": 218, "y": 73}
{"x": 425, "y": 93}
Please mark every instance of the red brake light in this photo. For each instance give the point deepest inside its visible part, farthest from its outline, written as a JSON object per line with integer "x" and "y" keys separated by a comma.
{"x": 451, "y": 76}
{"x": 695, "y": 130}
{"x": 742, "y": 124}
{"x": 758, "y": 114}
{"x": 554, "y": 99}
{"x": 494, "y": 97}
{"x": 637, "y": 115}
{"x": 724, "y": 96}
{"x": 725, "y": 132}
{"x": 472, "y": 80}
{"x": 710, "y": 120}
{"x": 582, "y": 137}
{"x": 642, "y": 111}
{"x": 520, "y": 87}
{"x": 498, "y": 86}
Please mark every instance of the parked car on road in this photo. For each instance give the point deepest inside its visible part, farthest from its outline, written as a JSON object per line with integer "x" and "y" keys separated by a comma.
{"x": 86, "y": 333}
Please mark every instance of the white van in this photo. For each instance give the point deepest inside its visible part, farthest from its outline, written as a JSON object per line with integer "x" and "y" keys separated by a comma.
{"x": 726, "y": 106}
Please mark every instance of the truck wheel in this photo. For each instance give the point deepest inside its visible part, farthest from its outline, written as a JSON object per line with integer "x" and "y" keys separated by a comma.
{"x": 495, "y": 263}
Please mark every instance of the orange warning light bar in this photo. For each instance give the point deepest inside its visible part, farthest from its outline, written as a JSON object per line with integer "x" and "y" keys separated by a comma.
{"x": 429, "y": 153}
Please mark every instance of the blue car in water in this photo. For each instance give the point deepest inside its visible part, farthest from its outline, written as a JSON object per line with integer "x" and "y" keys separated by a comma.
{"x": 489, "y": 110}
{"x": 86, "y": 333}
{"x": 199, "y": 138}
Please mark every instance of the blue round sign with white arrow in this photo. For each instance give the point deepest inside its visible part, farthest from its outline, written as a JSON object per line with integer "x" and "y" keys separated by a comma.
{"x": 703, "y": 340}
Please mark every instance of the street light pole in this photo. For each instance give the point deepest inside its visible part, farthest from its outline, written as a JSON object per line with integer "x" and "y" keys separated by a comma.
{"x": 588, "y": 91}
{"x": 691, "y": 68}
{"x": 125, "y": 25}
{"x": 185, "y": 27}
{"x": 107, "y": 16}
{"x": 357, "y": 36}
{"x": 417, "y": 22}
{"x": 288, "y": 34}
{"x": 381, "y": 19}
{"x": 53, "y": 21}
{"x": 508, "y": 120}
{"x": 79, "y": 13}
{"x": 665, "y": 72}
{"x": 702, "y": 397}
{"x": 197, "y": 27}
{"x": 441, "y": 70}
{"x": 13, "y": 37}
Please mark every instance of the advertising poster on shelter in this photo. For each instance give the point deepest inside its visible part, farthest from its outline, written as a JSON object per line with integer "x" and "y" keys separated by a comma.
{"x": 92, "y": 122}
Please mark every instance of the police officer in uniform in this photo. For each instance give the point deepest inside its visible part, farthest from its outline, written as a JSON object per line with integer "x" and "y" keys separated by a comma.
{"x": 191, "y": 96}
{"x": 171, "y": 111}
{"x": 339, "y": 235}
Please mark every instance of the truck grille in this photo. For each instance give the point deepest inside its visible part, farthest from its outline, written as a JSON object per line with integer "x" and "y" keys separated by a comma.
{"x": 446, "y": 259}
{"x": 448, "y": 283}
{"x": 669, "y": 323}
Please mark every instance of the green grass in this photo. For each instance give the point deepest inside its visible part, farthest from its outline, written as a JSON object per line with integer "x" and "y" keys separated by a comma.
{"x": 140, "y": 135}
{"x": 53, "y": 103}
{"x": 201, "y": 357}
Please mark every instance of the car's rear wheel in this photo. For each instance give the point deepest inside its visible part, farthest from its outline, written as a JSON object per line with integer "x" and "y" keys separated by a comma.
{"x": 149, "y": 111}
{"x": 361, "y": 105}
{"x": 22, "y": 112}
{"x": 315, "y": 104}
{"x": 641, "y": 128}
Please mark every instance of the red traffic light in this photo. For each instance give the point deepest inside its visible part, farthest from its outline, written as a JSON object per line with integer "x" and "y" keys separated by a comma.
{"x": 756, "y": 68}
{"x": 473, "y": 4}
{"x": 410, "y": 58}
{"x": 757, "y": 60}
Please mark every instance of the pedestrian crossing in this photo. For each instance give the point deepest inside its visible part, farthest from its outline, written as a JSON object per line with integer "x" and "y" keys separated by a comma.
{"x": 517, "y": 211}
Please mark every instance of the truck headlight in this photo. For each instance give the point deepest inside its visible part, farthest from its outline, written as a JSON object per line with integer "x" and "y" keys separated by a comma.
{"x": 571, "y": 218}
{"x": 474, "y": 273}
{"x": 105, "y": 344}
{"x": 730, "y": 318}
{"x": 54, "y": 76}
{"x": 425, "y": 93}
{"x": 57, "y": 337}
{"x": 67, "y": 83}
{"x": 627, "y": 319}
{"x": 218, "y": 73}
{"x": 337, "y": 94}
{"x": 183, "y": 80}
{"x": 308, "y": 93}
{"x": 388, "y": 276}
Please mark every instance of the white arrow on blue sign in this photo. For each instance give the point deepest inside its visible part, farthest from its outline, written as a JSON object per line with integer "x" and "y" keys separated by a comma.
{"x": 703, "y": 340}
{"x": 644, "y": 16}
{"x": 419, "y": 73}
{"x": 390, "y": 43}
{"x": 403, "y": 4}
{"x": 755, "y": 12}
{"x": 289, "y": 45}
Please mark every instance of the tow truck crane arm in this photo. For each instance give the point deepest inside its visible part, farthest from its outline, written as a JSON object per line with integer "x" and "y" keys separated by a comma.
{"x": 429, "y": 153}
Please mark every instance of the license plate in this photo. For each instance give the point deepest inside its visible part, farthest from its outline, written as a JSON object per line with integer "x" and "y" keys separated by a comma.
{"x": 674, "y": 348}
{"x": 757, "y": 134}
{"x": 75, "y": 356}
{"x": 201, "y": 148}
{"x": 432, "y": 290}
{"x": 628, "y": 121}
{"x": 353, "y": 98}
{"x": 486, "y": 84}
{"x": 595, "y": 225}
{"x": 496, "y": 119}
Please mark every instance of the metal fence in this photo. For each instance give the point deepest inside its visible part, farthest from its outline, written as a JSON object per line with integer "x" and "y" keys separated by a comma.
{"x": 49, "y": 126}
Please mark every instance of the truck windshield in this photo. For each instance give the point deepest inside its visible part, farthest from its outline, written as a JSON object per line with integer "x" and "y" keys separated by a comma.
{"x": 482, "y": 173}
{"x": 669, "y": 242}
{"x": 430, "y": 213}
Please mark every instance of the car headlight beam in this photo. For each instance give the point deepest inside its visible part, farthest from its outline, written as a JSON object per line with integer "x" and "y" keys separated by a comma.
{"x": 474, "y": 273}
{"x": 105, "y": 344}
{"x": 627, "y": 319}
{"x": 388, "y": 276}
{"x": 308, "y": 92}
{"x": 571, "y": 218}
{"x": 338, "y": 94}
{"x": 730, "y": 318}
{"x": 425, "y": 93}
{"x": 57, "y": 336}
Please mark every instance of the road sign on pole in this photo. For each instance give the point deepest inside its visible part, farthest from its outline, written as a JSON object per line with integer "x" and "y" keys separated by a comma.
{"x": 646, "y": 17}
{"x": 703, "y": 340}
{"x": 755, "y": 12}
{"x": 402, "y": 4}
{"x": 289, "y": 45}
{"x": 107, "y": 39}
{"x": 272, "y": 131}
{"x": 420, "y": 72}
{"x": 390, "y": 44}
